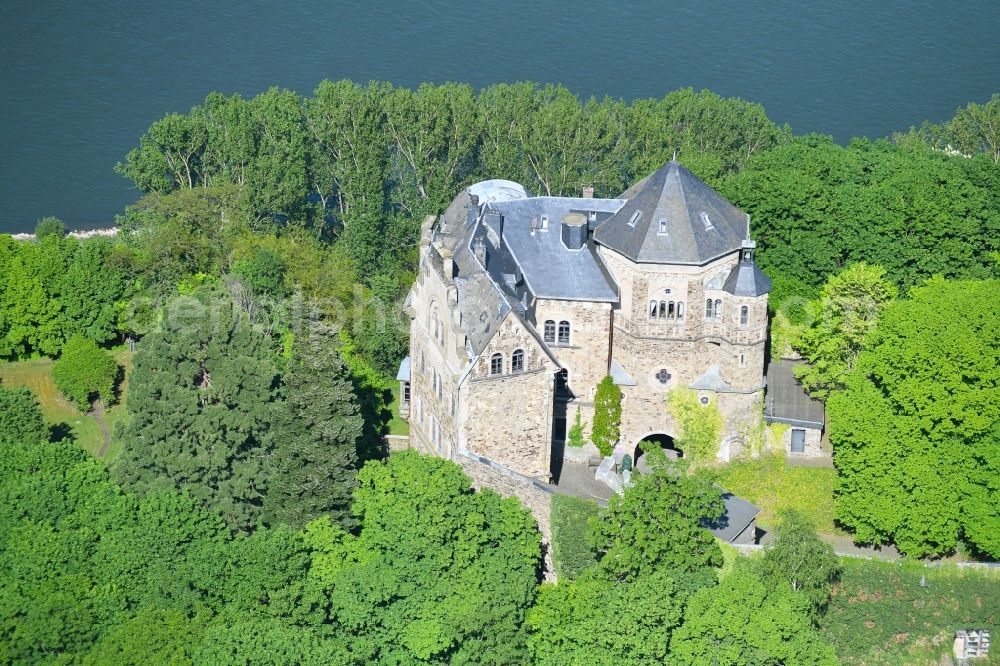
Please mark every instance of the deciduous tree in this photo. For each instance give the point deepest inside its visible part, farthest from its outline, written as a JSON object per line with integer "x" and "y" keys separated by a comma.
{"x": 658, "y": 523}
{"x": 910, "y": 429}
{"x": 84, "y": 373}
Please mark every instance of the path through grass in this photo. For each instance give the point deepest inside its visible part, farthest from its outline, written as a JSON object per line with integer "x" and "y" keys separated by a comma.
{"x": 65, "y": 419}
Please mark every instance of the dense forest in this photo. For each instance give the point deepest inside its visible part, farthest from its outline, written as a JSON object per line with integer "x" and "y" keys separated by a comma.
{"x": 251, "y": 516}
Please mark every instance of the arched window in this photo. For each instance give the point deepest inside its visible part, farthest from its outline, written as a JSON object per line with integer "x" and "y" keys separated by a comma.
{"x": 652, "y": 309}
{"x": 550, "y": 331}
{"x": 564, "y": 332}
{"x": 496, "y": 364}
{"x": 671, "y": 311}
{"x": 744, "y": 315}
{"x": 517, "y": 361}
{"x": 709, "y": 309}
{"x": 663, "y": 309}
{"x": 680, "y": 310}
{"x": 718, "y": 309}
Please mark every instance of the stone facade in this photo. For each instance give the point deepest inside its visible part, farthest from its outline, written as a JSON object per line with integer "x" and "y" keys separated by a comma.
{"x": 502, "y": 354}
{"x": 685, "y": 345}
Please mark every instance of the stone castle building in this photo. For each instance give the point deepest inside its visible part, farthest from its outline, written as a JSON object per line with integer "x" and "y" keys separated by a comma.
{"x": 523, "y": 304}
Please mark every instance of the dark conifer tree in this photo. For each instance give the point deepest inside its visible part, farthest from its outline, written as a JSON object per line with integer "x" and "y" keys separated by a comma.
{"x": 201, "y": 399}
{"x": 314, "y": 464}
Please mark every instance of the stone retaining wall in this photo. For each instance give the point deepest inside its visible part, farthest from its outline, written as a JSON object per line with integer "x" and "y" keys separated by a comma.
{"x": 534, "y": 495}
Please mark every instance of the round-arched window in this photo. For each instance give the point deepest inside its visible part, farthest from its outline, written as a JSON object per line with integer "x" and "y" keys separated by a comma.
{"x": 662, "y": 376}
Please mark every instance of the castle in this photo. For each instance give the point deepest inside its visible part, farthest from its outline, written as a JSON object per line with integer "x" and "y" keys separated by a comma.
{"x": 523, "y": 304}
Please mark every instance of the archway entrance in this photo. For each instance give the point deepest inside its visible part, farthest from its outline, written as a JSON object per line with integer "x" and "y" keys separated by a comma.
{"x": 663, "y": 440}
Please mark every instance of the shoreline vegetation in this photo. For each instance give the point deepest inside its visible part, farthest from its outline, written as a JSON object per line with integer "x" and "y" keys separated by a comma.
{"x": 245, "y": 510}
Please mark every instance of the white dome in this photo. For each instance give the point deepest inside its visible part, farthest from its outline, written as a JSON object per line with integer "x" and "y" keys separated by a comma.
{"x": 493, "y": 191}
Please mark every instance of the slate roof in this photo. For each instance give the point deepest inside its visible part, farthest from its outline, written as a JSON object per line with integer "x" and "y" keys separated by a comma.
{"x": 699, "y": 226}
{"x": 786, "y": 401}
{"x": 620, "y": 376}
{"x": 746, "y": 278}
{"x": 403, "y": 375}
{"x": 550, "y": 269}
{"x": 739, "y": 513}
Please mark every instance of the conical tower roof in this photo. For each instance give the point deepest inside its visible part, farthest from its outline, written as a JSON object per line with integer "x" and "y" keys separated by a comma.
{"x": 672, "y": 217}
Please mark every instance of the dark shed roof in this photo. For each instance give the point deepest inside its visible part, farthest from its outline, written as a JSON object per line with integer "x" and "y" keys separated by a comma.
{"x": 698, "y": 225}
{"x": 739, "y": 513}
{"x": 786, "y": 400}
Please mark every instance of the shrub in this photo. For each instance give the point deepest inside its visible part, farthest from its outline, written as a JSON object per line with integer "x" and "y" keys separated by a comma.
{"x": 607, "y": 416}
{"x": 85, "y": 372}
{"x": 572, "y": 552}
{"x": 49, "y": 226}
{"x": 575, "y": 437}
{"x": 699, "y": 426}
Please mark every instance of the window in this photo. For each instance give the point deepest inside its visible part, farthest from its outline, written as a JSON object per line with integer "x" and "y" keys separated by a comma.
{"x": 652, "y": 309}
{"x": 718, "y": 309}
{"x": 545, "y": 222}
{"x": 663, "y": 309}
{"x": 440, "y": 389}
{"x": 420, "y": 411}
{"x": 709, "y": 309}
{"x": 662, "y": 376}
{"x": 662, "y": 228}
{"x": 564, "y": 332}
{"x": 496, "y": 364}
{"x": 550, "y": 331}
{"x": 744, "y": 315}
{"x": 632, "y": 221}
{"x": 671, "y": 310}
{"x": 680, "y": 310}
{"x": 706, "y": 221}
{"x": 406, "y": 393}
{"x": 423, "y": 362}
{"x": 517, "y": 361}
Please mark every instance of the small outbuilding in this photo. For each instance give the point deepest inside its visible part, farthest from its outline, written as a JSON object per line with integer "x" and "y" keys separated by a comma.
{"x": 738, "y": 525}
{"x": 787, "y": 402}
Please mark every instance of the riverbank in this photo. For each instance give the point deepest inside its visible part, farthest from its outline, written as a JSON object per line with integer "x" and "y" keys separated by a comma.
{"x": 82, "y": 233}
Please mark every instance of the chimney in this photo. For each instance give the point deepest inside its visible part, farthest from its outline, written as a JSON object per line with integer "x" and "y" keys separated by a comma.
{"x": 479, "y": 250}
{"x": 472, "y": 212}
{"x": 588, "y": 192}
{"x": 447, "y": 264}
{"x": 574, "y": 230}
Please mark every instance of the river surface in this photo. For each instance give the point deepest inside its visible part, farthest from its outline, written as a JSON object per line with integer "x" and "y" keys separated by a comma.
{"x": 81, "y": 81}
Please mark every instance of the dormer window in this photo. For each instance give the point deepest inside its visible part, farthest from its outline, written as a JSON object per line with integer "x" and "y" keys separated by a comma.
{"x": 545, "y": 222}
{"x": 662, "y": 228}
{"x": 632, "y": 221}
{"x": 706, "y": 220}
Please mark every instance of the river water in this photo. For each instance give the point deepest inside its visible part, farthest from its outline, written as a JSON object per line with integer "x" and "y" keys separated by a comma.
{"x": 82, "y": 81}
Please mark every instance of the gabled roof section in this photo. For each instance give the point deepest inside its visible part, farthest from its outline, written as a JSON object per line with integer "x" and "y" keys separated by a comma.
{"x": 672, "y": 217}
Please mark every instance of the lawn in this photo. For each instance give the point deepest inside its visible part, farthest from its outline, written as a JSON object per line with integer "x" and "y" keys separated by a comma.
{"x": 397, "y": 426}
{"x": 66, "y": 419}
{"x": 881, "y": 614}
{"x": 773, "y": 485}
